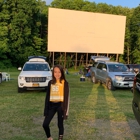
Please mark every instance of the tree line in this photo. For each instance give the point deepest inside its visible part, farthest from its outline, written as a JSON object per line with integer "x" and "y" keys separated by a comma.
{"x": 24, "y": 29}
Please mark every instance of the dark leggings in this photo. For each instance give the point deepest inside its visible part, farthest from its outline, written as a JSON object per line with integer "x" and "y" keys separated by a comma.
{"x": 55, "y": 107}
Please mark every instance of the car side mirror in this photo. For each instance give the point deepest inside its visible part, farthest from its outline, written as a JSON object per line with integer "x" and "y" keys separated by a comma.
{"x": 104, "y": 69}
{"x": 20, "y": 68}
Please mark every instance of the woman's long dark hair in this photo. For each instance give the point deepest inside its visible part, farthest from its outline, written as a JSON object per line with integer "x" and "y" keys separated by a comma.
{"x": 62, "y": 74}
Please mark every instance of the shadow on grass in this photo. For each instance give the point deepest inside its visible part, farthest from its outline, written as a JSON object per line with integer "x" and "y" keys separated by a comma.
{"x": 124, "y": 101}
{"x": 114, "y": 118}
{"x": 80, "y": 117}
{"x": 102, "y": 114}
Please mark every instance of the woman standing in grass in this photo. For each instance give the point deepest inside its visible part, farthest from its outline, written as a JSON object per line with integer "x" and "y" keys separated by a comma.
{"x": 57, "y": 100}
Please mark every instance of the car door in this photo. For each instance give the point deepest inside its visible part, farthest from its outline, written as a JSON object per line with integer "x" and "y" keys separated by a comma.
{"x": 136, "y": 97}
{"x": 104, "y": 72}
{"x": 99, "y": 70}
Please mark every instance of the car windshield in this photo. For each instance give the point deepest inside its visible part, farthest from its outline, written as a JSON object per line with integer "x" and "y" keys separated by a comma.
{"x": 117, "y": 68}
{"x": 36, "y": 67}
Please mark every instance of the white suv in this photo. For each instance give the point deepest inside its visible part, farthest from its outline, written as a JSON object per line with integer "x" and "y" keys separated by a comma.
{"x": 36, "y": 74}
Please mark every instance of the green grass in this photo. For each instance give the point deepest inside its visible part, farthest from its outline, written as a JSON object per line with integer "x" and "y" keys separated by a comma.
{"x": 95, "y": 113}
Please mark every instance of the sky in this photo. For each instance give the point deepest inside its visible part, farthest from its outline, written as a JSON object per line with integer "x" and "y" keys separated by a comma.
{"x": 123, "y": 3}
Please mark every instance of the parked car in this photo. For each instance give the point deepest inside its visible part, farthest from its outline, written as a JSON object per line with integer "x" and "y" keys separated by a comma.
{"x": 136, "y": 97}
{"x": 36, "y": 74}
{"x": 112, "y": 74}
{"x": 134, "y": 68}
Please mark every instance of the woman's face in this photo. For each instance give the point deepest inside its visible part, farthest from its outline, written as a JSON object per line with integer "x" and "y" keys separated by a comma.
{"x": 57, "y": 73}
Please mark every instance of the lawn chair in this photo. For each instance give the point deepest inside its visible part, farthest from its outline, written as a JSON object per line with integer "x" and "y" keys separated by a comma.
{"x": 5, "y": 76}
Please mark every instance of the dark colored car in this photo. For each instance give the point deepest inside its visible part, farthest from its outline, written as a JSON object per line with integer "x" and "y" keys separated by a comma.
{"x": 136, "y": 97}
{"x": 135, "y": 68}
{"x": 0, "y": 77}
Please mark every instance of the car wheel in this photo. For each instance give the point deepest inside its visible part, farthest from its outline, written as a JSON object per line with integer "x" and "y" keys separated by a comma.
{"x": 93, "y": 78}
{"x": 110, "y": 85}
{"x": 0, "y": 79}
{"x": 101, "y": 82}
{"x": 45, "y": 89}
{"x": 20, "y": 90}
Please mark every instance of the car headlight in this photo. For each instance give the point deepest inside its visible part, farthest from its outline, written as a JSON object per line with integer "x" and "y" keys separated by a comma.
{"x": 119, "y": 78}
{"x": 21, "y": 78}
{"x": 49, "y": 77}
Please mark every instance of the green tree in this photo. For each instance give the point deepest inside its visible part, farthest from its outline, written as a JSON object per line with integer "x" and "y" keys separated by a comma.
{"x": 135, "y": 35}
{"x": 22, "y": 34}
{"x": 4, "y": 41}
{"x": 44, "y": 27}
{"x": 127, "y": 45}
{"x": 24, "y": 28}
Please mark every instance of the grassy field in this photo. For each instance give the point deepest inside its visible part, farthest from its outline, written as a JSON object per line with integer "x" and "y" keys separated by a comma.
{"x": 95, "y": 113}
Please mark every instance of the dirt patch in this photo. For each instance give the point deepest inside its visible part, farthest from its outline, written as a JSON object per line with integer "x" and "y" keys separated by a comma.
{"x": 111, "y": 130}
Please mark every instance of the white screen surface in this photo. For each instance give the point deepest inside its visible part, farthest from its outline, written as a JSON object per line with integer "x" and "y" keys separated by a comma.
{"x": 85, "y": 32}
